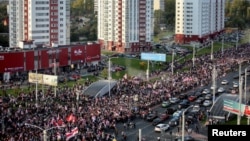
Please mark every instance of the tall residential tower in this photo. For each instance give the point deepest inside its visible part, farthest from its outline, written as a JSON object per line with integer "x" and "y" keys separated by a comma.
{"x": 125, "y": 25}
{"x": 198, "y": 20}
{"x": 39, "y": 22}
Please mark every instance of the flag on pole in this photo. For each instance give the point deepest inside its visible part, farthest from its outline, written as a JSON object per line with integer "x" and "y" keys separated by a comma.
{"x": 72, "y": 133}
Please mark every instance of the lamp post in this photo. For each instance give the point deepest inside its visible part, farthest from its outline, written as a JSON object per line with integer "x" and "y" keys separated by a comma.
{"x": 237, "y": 40}
{"x": 193, "y": 55}
{"x": 55, "y": 73}
{"x": 109, "y": 73}
{"x": 44, "y": 130}
{"x": 212, "y": 50}
{"x": 36, "y": 86}
{"x": 222, "y": 48}
{"x": 172, "y": 66}
{"x": 245, "y": 87}
{"x": 183, "y": 122}
{"x": 214, "y": 82}
{"x": 240, "y": 101}
{"x": 147, "y": 72}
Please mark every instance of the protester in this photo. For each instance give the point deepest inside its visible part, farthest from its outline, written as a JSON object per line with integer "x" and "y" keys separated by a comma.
{"x": 95, "y": 119}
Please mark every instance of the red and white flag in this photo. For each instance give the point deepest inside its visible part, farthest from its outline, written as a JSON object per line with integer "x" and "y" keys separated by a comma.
{"x": 72, "y": 133}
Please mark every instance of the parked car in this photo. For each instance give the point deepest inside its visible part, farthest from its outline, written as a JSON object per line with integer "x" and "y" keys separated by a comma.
{"x": 206, "y": 91}
{"x": 195, "y": 109}
{"x": 192, "y": 98}
{"x": 183, "y": 104}
{"x": 174, "y": 100}
{"x": 177, "y": 113}
{"x": 224, "y": 82}
{"x": 207, "y": 103}
{"x": 173, "y": 121}
{"x": 208, "y": 97}
{"x": 221, "y": 90}
{"x": 157, "y": 121}
{"x": 171, "y": 110}
{"x": 235, "y": 84}
{"x": 165, "y": 104}
{"x": 161, "y": 127}
{"x": 164, "y": 116}
{"x": 199, "y": 100}
{"x": 151, "y": 116}
{"x": 183, "y": 96}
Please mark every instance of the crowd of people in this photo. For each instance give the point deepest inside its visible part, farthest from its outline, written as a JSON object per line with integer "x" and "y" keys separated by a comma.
{"x": 95, "y": 119}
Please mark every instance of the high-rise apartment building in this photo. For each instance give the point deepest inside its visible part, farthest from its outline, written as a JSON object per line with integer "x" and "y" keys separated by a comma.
{"x": 125, "y": 25}
{"x": 198, "y": 20}
{"x": 159, "y": 5}
{"x": 41, "y": 22}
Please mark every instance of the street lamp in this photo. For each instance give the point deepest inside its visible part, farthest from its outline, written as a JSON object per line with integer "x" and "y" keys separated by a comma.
{"x": 183, "y": 122}
{"x": 193, "y": 55}
{"x": 212, "y": 50}
{"x": 109, "y": 72}
{"x": 237, "y": 40}
{"x": 214, "y": 82}
{"x": 245, "y": 87}
{"x": 222, "y": 48}
{"x": 172, "y": 66}
{"x": 36, "y": 86}
{"x": 44, "y": 130}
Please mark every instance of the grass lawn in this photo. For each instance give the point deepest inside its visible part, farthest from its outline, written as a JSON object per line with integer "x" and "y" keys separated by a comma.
{"x": 233, "y": 121}
{"x": 41, "y": 87}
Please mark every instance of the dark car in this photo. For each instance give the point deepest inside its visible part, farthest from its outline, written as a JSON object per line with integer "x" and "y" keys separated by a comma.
{"x": 157, "y": 121}
{"x": 174, "y": 121}
{"x": 184, "y": 104}
{"x": 171, "y": 110}
{"x": 151, "y": 116}
{"x": 183, "y": 96}
{"x": 164, "y": 116}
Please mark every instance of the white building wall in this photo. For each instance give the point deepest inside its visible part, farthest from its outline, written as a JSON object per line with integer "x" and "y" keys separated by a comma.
{"x": 15, "y": 18}
{"x": 38, "y": 22}
{"x": 199, "y": 17}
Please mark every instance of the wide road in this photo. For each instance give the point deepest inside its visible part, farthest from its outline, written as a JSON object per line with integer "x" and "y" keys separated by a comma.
{"x": 147, "y": 129}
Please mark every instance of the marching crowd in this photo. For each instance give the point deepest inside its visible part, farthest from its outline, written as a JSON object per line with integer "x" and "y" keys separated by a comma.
{"x": 63, "y": 117}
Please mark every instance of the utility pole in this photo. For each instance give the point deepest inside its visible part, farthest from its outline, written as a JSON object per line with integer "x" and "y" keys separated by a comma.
{"x": 240, "y": 95}
{"x": 172, "y": 66}
{"x": 55, "y": 74}
{"x": 214, "y": 82}
{"x": 222, "y": 48}
{"x": 193, "y": 56}
{"x": 212, "y": 50}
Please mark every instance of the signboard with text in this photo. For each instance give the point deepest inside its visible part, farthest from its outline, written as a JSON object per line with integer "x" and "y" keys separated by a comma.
{"x": 153, "y": 57}
{"x": 43, "y": 79}
{"x": 50, "y": 80}
{"x": 234, "y": 107}
{"x": 35, "y": 78}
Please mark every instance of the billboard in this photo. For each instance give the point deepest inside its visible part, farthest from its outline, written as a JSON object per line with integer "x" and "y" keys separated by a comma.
{"x": 43, "y": 79}
{"x": 35, "y": 78}
{"x": 12, "y": 62}
{"x": 153, "y": 56}
{"x": 50, "y": 80}
{"x": 234, "y": 107}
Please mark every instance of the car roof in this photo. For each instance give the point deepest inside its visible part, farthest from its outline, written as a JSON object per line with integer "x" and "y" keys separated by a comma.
{"x": 161, "y": 124}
